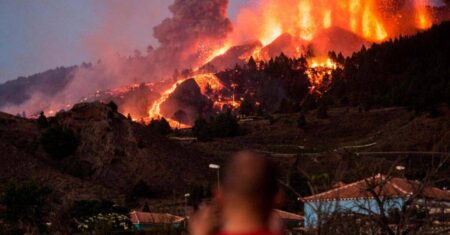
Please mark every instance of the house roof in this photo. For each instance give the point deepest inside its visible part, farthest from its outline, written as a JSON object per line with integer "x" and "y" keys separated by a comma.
{"x": 284, "y": 215}
{"x": 154, "y": 218}
{"x": 383, "y": 186}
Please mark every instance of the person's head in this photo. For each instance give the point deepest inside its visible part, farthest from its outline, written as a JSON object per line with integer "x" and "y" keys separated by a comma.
{"x": 250, "y": 185}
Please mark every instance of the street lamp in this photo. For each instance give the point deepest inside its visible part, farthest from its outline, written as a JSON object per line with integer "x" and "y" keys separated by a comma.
{"x": 216, "y": 167}
{"x": 400, "y": 168}
{"x": 186, "y": 196}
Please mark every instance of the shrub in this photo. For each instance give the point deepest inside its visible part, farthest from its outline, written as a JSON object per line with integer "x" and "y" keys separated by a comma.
{"x": 225, "y": 125}
{"x": 59, "y": 142}
{"x": 113, "y": 106}
{"x": 111, "y": 223}
{"x": 222, "y": 126}
{"x": 201, "y": 130}
{"x": 247, "y": 108}
{"x": 87, "y": 208}
{"x": 160, "y": 126}
{"x": 42, "y": 121}
{"x": 26, "y": 201}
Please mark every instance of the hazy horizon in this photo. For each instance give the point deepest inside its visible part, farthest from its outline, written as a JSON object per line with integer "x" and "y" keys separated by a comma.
{"x": 39, "y": 35}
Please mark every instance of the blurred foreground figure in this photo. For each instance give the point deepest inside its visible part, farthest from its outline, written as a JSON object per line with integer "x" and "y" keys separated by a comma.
{"x": 245, "y": 202}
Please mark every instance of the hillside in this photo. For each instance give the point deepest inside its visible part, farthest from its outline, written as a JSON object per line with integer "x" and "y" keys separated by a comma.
{"x": 112, "y": 156}
{"x": 46, "y": 84}
{"x": 409, "y": 71}
{"x": 347, "y": 145}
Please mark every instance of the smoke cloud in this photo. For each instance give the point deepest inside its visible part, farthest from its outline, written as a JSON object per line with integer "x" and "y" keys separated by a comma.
{"x": 194, "y": 29}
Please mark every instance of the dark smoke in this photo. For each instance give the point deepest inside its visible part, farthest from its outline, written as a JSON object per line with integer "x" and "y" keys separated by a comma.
{"x": 197, "y": 26}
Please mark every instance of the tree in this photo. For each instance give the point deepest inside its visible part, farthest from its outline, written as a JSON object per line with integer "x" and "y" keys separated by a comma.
{"x": 146, "y": 208}
{"x": 201, "y": 130}
{"x": 381, "y": 210}
{"x": 59, "y": 142}
{"x": 129, "y": 117}
{"x": 221, "y": 126}
{"x": 26, "y": 202}
{"x": 86, "y": 208}
{"x": 252, "y": 64}
{"x": 113, "y": 106}
{"x": 160, "y": 126}
{"x": 225, "y": 125}
{"x": 42, "y": 121}
{"x": 246, "y": 107}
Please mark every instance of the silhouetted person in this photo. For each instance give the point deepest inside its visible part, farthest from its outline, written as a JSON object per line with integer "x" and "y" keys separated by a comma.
{"x": 246, "y": 199}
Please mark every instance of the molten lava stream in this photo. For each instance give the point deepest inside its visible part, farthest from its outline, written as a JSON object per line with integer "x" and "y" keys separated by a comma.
{"x": 155, "y": 110}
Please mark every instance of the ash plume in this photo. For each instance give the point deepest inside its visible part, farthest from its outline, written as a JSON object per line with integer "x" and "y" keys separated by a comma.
{"x": 197, "y": 26}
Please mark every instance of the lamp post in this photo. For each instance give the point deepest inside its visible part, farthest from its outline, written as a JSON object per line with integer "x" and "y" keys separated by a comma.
{"x": 216, "y": 167}
{"x": 186, "y": 196}
{"x": 401, "y": 169}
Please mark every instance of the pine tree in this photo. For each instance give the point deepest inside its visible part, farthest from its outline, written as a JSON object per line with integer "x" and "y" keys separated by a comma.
{"x": 42, "y": 121}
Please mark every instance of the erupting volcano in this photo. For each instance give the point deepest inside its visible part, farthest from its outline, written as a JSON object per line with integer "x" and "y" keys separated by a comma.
{"x": 302, "y": 28}
{"x": 204, "y": 42}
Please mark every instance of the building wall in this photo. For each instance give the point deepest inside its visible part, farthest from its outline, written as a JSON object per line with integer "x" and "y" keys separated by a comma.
{"x": 314, "y": 210}
{"x": 157, "y": 227}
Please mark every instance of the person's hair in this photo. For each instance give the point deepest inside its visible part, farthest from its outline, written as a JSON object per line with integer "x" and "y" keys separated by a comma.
{"x": 251, "y": 180}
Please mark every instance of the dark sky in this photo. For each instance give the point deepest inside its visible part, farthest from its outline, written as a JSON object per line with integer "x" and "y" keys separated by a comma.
{"x": 36, "y": 35}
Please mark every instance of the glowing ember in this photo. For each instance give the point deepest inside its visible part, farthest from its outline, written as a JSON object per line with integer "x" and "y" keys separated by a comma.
{"x": 423, "y": 20}
{"x": 323, "y": 63}
{"x": 307, "y": 27}
{"x": 304, "y": 20}
{"x": 209, "y": 84}
{"x": 273, "y": 31}
{"x": 327, "y": 19}
{"x": 372, "y": 26}
{"x": 307, "y": 18}
{"x": 208, "y": 81}
{"x": 218, "y": 52}
{"x": 319, "y": 70}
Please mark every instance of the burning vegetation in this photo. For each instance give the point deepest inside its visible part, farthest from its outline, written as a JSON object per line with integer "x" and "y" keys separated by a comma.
{"x": 296, "y": 35}
{"x": 306, "y": 32}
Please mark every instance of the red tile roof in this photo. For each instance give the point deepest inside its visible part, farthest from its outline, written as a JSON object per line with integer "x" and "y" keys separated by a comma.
{"x": 154, "y": 218}
{"x": 284, "y": 215}
{"x": 383, "y": 186}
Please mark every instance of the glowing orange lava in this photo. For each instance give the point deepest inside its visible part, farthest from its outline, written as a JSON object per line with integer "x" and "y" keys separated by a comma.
{"x": 304, "y": 20}
{"x": 155, "y": 110}
{"x": 319, "y": 70}
{"x": 207, "y": 82}
{"x": 423, "y": 20}
{"x": 307, "y": 18}
{"x": 218, "y": 52}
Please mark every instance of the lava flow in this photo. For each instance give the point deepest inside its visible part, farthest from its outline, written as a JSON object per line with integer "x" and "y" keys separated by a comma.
{"x": 320, "y": 74}
{"x": 209, "y": 85}
{"x": 155, "y": 110}
{"x": 373, "y": 20}
{"x": 309, "y": 24}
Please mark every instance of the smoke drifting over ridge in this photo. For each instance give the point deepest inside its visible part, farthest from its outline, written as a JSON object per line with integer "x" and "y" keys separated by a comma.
{"x": 195, "y": 28}
{"x": 198, "y": 31}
